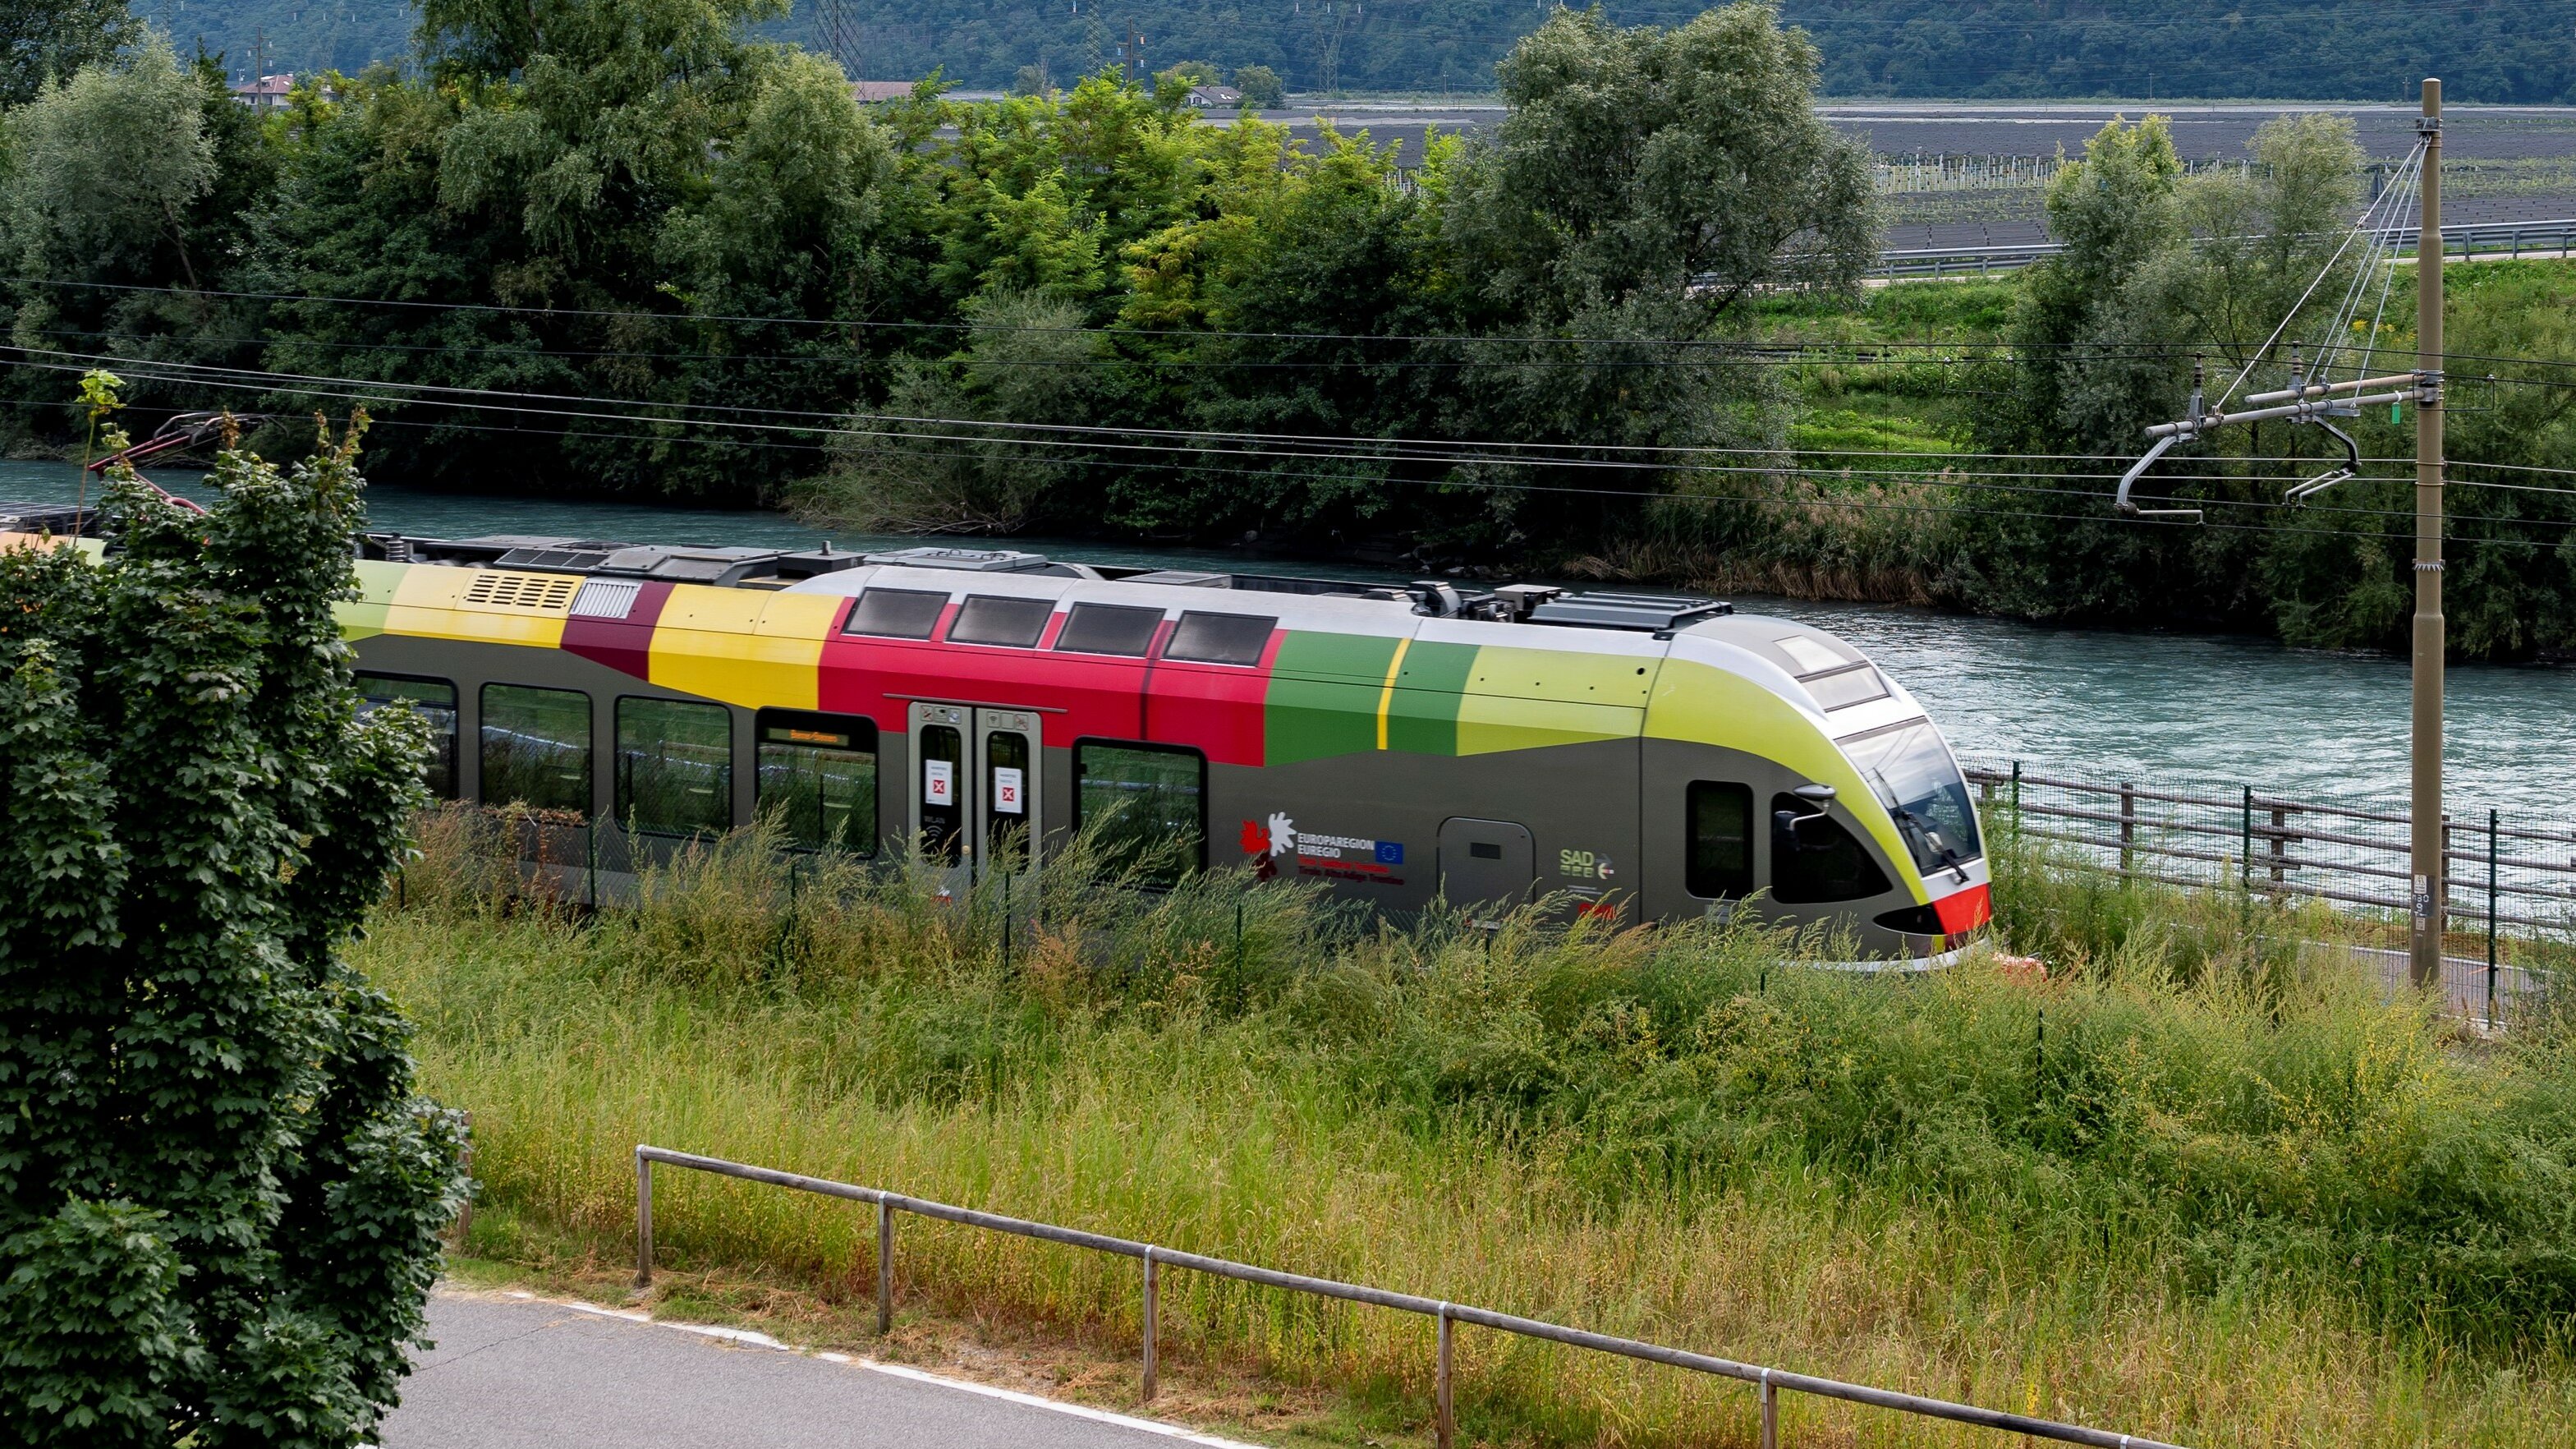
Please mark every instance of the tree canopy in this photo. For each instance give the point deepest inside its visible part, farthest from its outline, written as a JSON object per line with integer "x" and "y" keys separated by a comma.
{"x": 219, "y": 1194}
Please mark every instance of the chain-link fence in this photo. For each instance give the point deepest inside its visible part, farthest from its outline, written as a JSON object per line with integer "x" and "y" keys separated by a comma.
{"x": 2511, "y": 887}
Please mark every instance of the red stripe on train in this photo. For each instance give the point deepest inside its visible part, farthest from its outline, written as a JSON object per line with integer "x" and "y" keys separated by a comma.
{"x": 1965, "y": 911}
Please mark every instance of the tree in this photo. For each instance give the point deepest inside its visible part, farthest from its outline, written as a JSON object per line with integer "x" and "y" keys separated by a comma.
{"x": 42, "y": 41}
{"x": 1261, "y": 87}
{"x": 1650, "y": 165}
{"x": 2267, "y": 234}
{"x": 106, "y": 166}
{"x": 219, "y": 1193}
{"x": 2092, "y": 329}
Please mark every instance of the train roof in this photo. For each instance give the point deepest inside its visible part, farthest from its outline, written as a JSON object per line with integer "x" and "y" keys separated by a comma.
{"x": 1817, "y": 669}
{"x": 827, "y": 571}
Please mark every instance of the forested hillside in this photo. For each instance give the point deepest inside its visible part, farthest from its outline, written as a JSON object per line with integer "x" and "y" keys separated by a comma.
{"x": 621, "y": 247}
{"x": 2488, "y": 50}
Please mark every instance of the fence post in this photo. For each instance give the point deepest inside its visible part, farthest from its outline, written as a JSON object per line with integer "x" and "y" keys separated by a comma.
{"x": 2245, "y": 848}
{"x": 643, "y": 1219}
{"x": 2016, "y": 792}
{"x": 2280, "y": 844}
{"x": 1444, "y": 1423}
{"x": 885, "y": 1267}
{"x": 2128, "y": 823}
{"x": 2492, "y": 822}
{"x": 1770, "y": 1413}
{"x": 465, "y": 1164}
{"x": 1153, "y": 1296}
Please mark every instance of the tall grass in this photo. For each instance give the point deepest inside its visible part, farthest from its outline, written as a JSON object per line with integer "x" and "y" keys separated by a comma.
{"x": 2189, "y": 1186}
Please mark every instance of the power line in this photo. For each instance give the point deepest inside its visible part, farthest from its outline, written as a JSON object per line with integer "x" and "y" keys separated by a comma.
{"x": 1193, "y": 441}
{"x": 1489, "y": 485}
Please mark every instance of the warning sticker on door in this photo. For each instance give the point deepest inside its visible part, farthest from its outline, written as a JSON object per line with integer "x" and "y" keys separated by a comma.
{"x": 1006, "y": 791}
{"x": 938, "y": 782}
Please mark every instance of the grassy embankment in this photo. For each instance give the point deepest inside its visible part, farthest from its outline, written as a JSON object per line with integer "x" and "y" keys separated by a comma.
{"x": 2214, "y": 1197}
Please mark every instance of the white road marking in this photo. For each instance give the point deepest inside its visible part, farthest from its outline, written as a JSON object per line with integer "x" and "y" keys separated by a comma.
{"x": 750, "y": 1339}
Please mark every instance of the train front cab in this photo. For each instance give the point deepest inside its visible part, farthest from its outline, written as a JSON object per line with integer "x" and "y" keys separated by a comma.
{"x": 1746, "y": 711}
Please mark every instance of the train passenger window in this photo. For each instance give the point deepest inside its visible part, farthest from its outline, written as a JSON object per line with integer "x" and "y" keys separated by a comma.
{"x": 1718, "y": 862}
{"x": 674, "y": 766}
{"x": 896, "y": 613}
{"x": 993, "y": 619}
{"x": 1109, "y": 629}
{"x": 434, "y": 700}
{"x": 536, "y": 747}
{"x": 818, "y": 778}
{"x": 1819, "y": 861}
{"x": 1149, "y": 803}
{"x": 1221, "y": 638}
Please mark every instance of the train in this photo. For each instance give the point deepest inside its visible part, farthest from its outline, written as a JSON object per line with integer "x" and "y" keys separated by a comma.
{"x": 1639, "y": 756}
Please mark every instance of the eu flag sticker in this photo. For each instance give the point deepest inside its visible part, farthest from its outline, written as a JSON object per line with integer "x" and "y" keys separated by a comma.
{"x": 1390, "y": 852}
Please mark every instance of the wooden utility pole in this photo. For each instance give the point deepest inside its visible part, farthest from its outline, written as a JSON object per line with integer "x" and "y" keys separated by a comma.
{"x": 2425, "y": 956}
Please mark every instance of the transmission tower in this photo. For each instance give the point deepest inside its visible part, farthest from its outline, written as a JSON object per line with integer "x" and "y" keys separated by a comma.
{"x": 839, "y": 33}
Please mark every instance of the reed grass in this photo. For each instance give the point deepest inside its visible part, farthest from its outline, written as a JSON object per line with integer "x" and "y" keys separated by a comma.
{"x": 2189, "y": 1186}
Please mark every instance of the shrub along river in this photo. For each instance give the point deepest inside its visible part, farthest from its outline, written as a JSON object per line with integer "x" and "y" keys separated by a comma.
{"x": 2160, "y": 709}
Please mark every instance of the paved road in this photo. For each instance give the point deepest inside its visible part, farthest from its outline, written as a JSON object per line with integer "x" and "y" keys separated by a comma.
{"x": 512, "y": 1372}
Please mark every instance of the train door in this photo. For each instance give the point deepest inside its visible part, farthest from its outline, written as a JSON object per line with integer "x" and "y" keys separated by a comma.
{"x": 1486, "y": 866}
{"x": 1008, "y": 832}
{"x": 976, "y": 790}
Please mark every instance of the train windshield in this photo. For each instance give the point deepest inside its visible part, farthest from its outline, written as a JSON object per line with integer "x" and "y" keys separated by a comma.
{"x": 1913, "y": 775}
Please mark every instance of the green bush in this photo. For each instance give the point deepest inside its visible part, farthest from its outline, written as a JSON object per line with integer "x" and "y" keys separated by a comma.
{"x": 219, "y": 1194}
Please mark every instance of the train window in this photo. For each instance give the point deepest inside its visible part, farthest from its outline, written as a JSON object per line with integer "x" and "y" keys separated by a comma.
{"x": 674, "y": 766}
{"x": 1854, "y": 684}
{"x": 1718, "y": 862}
{"x": 1819, "y": 860}
{"x": 1109, "y": 629}
{"x": 1221, "y": 638}
{"x": 943, "y": 818}
{"x": 818, "y": 778}
{"x": 434, "y": 700}
{"x": 993, "y": 619}
{"x": 536, "y": 747}
{"x": 1148, "y": 803}
{"x": 1913, "y": 775}
{"x": 896, "y": 613}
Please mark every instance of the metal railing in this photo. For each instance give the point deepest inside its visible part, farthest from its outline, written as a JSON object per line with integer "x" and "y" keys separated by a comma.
{"x": 2514, "y": 882}
{"x": 1769, "y": 1383}
{"x": 2473, "y": 239}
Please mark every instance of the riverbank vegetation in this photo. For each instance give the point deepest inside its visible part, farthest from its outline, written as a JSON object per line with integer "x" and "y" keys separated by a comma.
{"x": 636, "y": 250}
{"x": 2190, "y": 1184}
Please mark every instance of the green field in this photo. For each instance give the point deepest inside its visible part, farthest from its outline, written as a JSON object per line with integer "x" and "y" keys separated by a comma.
{"x": 2186, "y": 1187}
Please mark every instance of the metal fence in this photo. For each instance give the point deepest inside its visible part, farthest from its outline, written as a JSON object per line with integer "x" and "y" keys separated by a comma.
{"x": 1769, "y": 1383}
{"x": 2480, "y": 239}
{"x": 2510, "y": 888}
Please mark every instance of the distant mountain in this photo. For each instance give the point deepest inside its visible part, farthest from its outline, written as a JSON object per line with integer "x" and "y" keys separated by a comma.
{"x": 267, "y": 37}
{"x": 2511, "y": 51}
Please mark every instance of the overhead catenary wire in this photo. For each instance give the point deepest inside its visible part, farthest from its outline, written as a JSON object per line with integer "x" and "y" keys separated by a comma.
{"x": 1669, "y": 458}
{"x": 1809, "y": 500}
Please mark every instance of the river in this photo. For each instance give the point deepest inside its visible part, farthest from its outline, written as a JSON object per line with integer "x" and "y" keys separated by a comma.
{"x": 2162, "y": 708}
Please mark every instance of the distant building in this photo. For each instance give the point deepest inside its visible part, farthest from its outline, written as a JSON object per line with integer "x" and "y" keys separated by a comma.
{"x": 1210, "y": 98}
{"x": 865, "y": 91}
{"x": 268, "y": 93}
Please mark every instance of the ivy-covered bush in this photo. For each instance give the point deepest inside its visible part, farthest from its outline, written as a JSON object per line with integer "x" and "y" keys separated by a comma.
{"x": 219, "y": 1193}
